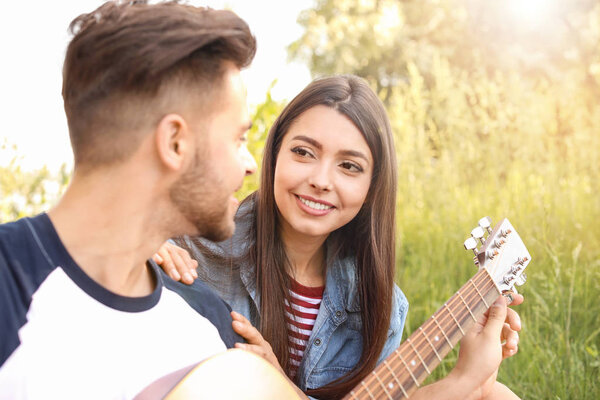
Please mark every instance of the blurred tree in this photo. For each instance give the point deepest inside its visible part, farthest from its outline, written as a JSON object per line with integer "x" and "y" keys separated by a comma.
{"x": 378, "y": 39}
{"x": 24, "y": 193}
{"x": 263, "y": 116}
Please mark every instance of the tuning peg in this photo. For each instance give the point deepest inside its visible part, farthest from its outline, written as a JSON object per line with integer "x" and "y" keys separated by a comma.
{"x": 521, "y": 279}
{"x": 505, "y": 232}
{"x": 471, "y": 244}
{"x": 486, "y": 223}
{"x": 508, "y": 279}
{"x": 478, "y": 233}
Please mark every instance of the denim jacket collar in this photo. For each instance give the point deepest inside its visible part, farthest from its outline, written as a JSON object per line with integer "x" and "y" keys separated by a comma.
{"x": 340, "y": 288}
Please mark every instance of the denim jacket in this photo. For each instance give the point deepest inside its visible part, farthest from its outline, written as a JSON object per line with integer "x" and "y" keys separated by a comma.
{"x": 335, "y": 344}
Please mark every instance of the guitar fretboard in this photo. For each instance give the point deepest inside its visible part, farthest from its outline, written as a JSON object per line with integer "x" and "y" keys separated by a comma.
{"x": 404, "y": 370}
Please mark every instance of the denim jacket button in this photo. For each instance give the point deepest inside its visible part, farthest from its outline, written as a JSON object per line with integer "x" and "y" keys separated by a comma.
{"x": 338, "y": 313}
{"x": 317, "y": 342}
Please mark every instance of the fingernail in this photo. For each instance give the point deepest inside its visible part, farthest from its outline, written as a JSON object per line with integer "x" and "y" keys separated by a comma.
{"x": 187, "y": 277}
{"x": 194, "y": 273}
{"x": 175, "y": 275}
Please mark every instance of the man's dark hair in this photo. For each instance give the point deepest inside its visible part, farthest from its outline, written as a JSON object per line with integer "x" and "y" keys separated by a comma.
{"x": 131, "y": 63}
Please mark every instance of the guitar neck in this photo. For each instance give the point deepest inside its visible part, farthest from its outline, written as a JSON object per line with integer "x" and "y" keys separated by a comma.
{"x": 404, "y": 370}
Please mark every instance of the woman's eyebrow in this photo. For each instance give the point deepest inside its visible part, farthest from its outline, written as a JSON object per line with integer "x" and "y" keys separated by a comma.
{"x": 309, "y": 141}
{"x": 313, "y": 142}
{"x": 353, "y": 153}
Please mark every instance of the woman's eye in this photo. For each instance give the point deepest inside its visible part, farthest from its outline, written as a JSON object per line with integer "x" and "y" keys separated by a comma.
{"x": 301, "y": 152}
{"x": 352, "y": 167}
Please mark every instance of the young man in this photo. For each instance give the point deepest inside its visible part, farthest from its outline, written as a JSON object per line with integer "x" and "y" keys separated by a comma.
{"x": 157, "y": 118}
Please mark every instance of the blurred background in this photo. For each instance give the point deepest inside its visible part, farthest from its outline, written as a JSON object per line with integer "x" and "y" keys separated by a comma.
{"x": 495, "y": 107}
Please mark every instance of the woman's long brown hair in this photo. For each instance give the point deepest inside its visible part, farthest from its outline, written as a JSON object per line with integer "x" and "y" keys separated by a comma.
{"x": 369, "y": 237}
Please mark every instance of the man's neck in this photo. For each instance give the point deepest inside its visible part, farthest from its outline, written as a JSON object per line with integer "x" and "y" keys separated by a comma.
{"x": 110, "y": 230}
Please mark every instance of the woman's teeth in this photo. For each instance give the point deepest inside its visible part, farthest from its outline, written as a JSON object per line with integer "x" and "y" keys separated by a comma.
{"x": 314, "y": 205}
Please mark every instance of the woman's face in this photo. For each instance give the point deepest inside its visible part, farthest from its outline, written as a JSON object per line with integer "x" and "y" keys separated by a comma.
{"x": 322, "y": 173}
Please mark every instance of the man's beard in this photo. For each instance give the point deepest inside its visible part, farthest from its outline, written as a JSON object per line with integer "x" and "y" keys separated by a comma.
{"x": 203, "y": 201}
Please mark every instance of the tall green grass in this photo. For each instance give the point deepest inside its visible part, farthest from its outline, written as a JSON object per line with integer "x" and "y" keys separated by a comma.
{"x": 506, "y": 148}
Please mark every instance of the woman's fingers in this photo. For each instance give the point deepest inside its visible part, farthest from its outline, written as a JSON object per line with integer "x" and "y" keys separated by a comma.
{"x": 513, "y": 319}
{"x": 510, "y": 338}
{"x": 167, "y": 262}
{"x": 244, "y": 328}
{"x": 182, "y": 264}
{"x": 516, "y": 299}
{"x": 177, "y": 263}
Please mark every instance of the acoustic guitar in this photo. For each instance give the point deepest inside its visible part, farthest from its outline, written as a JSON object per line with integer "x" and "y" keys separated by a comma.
{"x": 501, "y": 259}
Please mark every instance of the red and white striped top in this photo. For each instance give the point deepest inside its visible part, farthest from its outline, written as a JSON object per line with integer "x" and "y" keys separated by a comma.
{"x": 300, "y": 318}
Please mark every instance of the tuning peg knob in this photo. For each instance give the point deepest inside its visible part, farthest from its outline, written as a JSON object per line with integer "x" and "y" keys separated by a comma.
{"x": 471, "y": 244}
{"x": 478, "y": 233}
{"x": 521, "y": 279}
{"x": 486, "y": 223}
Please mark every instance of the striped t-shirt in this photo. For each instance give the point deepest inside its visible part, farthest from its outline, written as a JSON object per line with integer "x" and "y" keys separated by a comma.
{"x": 300, "y": 318}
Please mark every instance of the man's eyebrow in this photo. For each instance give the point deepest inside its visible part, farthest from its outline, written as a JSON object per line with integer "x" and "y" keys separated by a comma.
{"x": 309, "y": 141}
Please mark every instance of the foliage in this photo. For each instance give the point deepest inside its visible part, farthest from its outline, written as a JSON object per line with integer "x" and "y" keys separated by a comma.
{"x": 263, "y": 117}
{"x": 23, "y": 192}
{"x": 489, "y": 119}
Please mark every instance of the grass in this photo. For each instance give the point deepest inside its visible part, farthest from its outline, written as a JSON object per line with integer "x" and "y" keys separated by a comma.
{"x": 546, "y": 182}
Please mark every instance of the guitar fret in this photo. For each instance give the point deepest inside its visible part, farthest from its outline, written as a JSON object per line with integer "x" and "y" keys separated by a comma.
{"x": 383, "y": 386}
{"x": 443, "y": 333}
{"x": 430, "y": 344}
{"x": 395, "y": 378}
{"x": 407, "y": 367}
{"x": 479, "y": 293}
{"x": 367, "y": 389}
{"x": 418, "y": 355}
{"x": 353, "y": 395}
{"x": 466, "y": 305}
{"x": 455, "y": 320}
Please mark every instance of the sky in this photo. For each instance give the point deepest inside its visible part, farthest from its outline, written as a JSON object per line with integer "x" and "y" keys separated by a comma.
{"x": 33, "y": 40}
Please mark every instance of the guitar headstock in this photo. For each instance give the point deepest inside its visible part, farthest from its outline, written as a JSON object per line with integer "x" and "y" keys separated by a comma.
{"x": 502, "y": 252}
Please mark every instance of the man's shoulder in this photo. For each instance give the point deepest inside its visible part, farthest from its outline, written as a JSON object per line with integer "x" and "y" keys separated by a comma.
{"x": 206, "y": 302}
{"x": 24, "y": 264}
{"x": 27, "y": 243}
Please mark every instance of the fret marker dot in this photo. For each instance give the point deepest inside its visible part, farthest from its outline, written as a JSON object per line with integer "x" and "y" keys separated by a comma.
{"x": 436, "y": 338}
{"x": 391, "y": 385}
{"x": 413, "y": 363}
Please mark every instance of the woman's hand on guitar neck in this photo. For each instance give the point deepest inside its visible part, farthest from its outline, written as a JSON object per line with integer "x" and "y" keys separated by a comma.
{"x": 177, "y": 263}
{"x": 482, "y": 349}
{"x": 494, "y": 338}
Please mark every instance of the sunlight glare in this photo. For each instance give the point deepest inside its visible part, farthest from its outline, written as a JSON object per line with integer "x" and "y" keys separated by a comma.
{"x": 531, "y": 12}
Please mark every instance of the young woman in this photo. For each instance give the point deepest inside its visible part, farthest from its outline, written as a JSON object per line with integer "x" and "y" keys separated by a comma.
{"x": 311, "y": 264}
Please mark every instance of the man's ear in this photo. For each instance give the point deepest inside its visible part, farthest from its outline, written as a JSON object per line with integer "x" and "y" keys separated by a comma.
{"x": 173, "y": 141}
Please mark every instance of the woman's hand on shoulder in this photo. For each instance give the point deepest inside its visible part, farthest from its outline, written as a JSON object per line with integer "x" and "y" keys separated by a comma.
{"x": 177, "y": 263}
{"x": 256, "y": 343}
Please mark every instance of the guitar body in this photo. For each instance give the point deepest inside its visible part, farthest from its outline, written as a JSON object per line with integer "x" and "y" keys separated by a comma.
{"x": 234, "y": 374}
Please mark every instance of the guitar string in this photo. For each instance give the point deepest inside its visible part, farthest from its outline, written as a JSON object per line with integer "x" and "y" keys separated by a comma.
{"x": 409, "y": 351}
{"x": 421, "y": 343}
